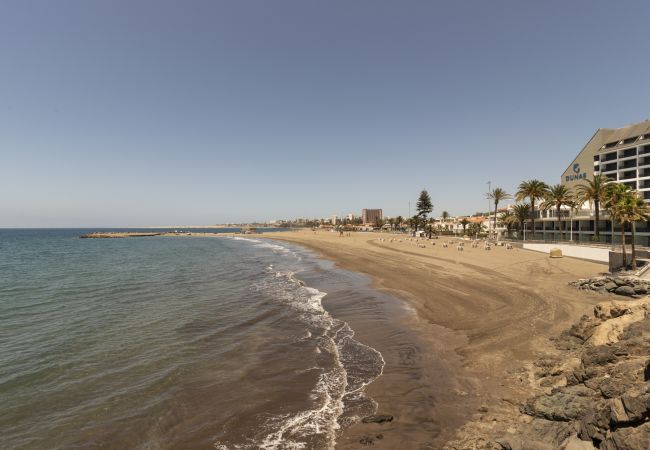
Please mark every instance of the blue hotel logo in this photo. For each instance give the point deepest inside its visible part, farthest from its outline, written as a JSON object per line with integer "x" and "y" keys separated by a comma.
{"x": 576, "y": 174}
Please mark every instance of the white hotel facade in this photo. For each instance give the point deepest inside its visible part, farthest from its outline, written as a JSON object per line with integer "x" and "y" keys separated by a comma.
{"x": 621, "y": 154}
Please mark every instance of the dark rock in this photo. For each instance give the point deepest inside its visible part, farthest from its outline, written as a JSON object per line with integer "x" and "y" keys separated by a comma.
{"x": 641, "y": 290}
{"x": 622, "y": 378}
{"x": 637, "y": 406}
{"x": 483, "y": 409}
{"x": 595, "y": 423}
{"x": 598, "y": 356}
{"x": 563, "y": 404}
{"x": 367, "y": 440}
{"x": 380, "y": 436}
{"x": 377, "y": 418}
{"x": 633, "y": 438}
{"x": 610, "y": 286}
{"x": 624, "y": 290}
{"x": 620, "y": 281}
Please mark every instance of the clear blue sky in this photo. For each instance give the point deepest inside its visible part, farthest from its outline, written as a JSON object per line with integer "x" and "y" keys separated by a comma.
{"x": 127, "y": 113}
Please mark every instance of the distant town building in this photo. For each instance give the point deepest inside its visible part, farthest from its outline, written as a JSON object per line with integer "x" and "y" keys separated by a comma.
{"x": 334, "y": 219}
{"x": 350, "y": 217}
{"x": 371, "y": 215}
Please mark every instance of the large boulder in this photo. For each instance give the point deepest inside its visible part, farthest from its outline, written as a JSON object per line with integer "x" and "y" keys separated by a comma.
{"x": 628, "y": 291}
{"x": 610, "y": 286}
{"x": 563, "y": 404}
{"x": 598, "y": 356}
{"x": 632, "y": 438}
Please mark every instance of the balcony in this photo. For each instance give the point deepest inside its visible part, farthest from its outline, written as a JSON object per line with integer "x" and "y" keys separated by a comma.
{"x": 609, "y": 156}
{"x": 627, "y": 153}
{"x": 609, "y": 168}
{"x": 630, "y": 184}
{"x": 645, "y": 150}
{"x": 630, "y": 174}
{"x": 644, "y": 161}
{"x": 644, "y": 184}
{"x": 630, "y": 163}
{"x": 644, "y": 173}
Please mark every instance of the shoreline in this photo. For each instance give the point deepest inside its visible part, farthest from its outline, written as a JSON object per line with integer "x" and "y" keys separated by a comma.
{"x": 485, "y": 316}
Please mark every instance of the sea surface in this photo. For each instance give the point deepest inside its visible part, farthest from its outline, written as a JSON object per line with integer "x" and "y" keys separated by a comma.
{"x": 175, "y": 342}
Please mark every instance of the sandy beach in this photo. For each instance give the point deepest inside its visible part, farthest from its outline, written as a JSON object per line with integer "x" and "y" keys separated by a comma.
{"x": 478, "y": 321}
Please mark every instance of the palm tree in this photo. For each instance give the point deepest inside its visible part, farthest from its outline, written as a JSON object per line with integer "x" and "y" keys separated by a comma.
{"x": 398, "y": 222}
{"x": 615, "y": 196}
{"x": 532, "y": 189}
{"x": 594, "y": 191}
{"x": 430, "y": 224}
{"x": 522, "y": 213}
{"x": 475, "y": 228}
{"x": 508, "y": 219}
{"x": 445, "y": 216}
{"x": 464, "y": 222}
{"x": 631, "y": 208}
{"x": 497, "y": 194}
{"x": 556, "y": 197}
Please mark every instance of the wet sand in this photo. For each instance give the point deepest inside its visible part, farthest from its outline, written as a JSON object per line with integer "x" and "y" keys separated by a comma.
{"x": 475, "y": 322}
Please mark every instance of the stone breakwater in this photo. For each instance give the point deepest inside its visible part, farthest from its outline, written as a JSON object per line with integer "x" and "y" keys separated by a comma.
{"x": 117, "y": 234}
{"x": 596, "y": 388}
{"x": 629, "y": 287}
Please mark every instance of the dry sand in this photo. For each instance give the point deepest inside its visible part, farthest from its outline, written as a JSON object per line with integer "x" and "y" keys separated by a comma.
{"x": 481, "y": 319}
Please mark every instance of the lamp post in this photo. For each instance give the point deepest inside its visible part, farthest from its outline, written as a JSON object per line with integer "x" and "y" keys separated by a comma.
{"x": 525, "y": 223}
{"x": 489, "y": 183}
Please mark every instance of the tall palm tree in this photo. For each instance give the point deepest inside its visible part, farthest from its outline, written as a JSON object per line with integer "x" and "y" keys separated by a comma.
{"x": 557, "y": 196}
{"x": 497, "y": 194}
{"x": 594, "y": 191}
{"x": 445, "y": 216}
{"x": 398, "y": 222}
{"x": 533, "y": 190}
{"x": 508, "y": 219}
{"x": 522, "y": 213}
{"x": 631, "y": 208}
{"x": 615, "y": 196}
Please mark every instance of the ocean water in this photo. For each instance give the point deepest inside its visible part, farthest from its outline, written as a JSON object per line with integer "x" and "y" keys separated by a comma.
{"x": 174, "y": 342}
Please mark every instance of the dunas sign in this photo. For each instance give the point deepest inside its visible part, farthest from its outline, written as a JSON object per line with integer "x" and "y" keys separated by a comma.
{"x": 576, "y": 175}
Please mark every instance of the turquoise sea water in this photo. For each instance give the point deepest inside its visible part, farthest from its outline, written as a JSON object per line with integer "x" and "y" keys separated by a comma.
{"x": 172, "y": 342}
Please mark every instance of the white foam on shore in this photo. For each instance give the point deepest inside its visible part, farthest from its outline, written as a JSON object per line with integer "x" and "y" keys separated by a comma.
{"x": 345, "y": 381}
{"x": 334, "y": 385}
{"x": 276, "y": 248}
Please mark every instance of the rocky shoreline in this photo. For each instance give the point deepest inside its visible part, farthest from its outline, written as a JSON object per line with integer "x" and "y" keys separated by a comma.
{"x": 626, "y": 286}
{"x": 593, "y": 391}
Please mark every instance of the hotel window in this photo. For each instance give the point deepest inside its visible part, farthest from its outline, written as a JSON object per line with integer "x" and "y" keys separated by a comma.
{"x": 627, "y": 153}
{"x": 630, "y": 140}
{"x": 611, "y": 144}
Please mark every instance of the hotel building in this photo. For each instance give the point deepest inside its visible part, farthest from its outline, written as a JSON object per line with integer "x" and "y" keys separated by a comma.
{"x": 371, "y": 215}
{"x": 621, "y": 154}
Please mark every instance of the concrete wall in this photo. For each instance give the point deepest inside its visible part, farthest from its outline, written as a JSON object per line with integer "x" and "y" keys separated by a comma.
{"x": 598, "y": 254}
{"x": 616, "y": 258}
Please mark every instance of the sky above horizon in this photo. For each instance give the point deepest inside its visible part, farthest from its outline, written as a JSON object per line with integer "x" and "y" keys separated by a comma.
{"x": 144, "y": 113}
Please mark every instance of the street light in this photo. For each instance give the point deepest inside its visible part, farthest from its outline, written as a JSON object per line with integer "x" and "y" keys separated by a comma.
{"x": 489, "y": 183}
{"x": 525, "y": 223}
